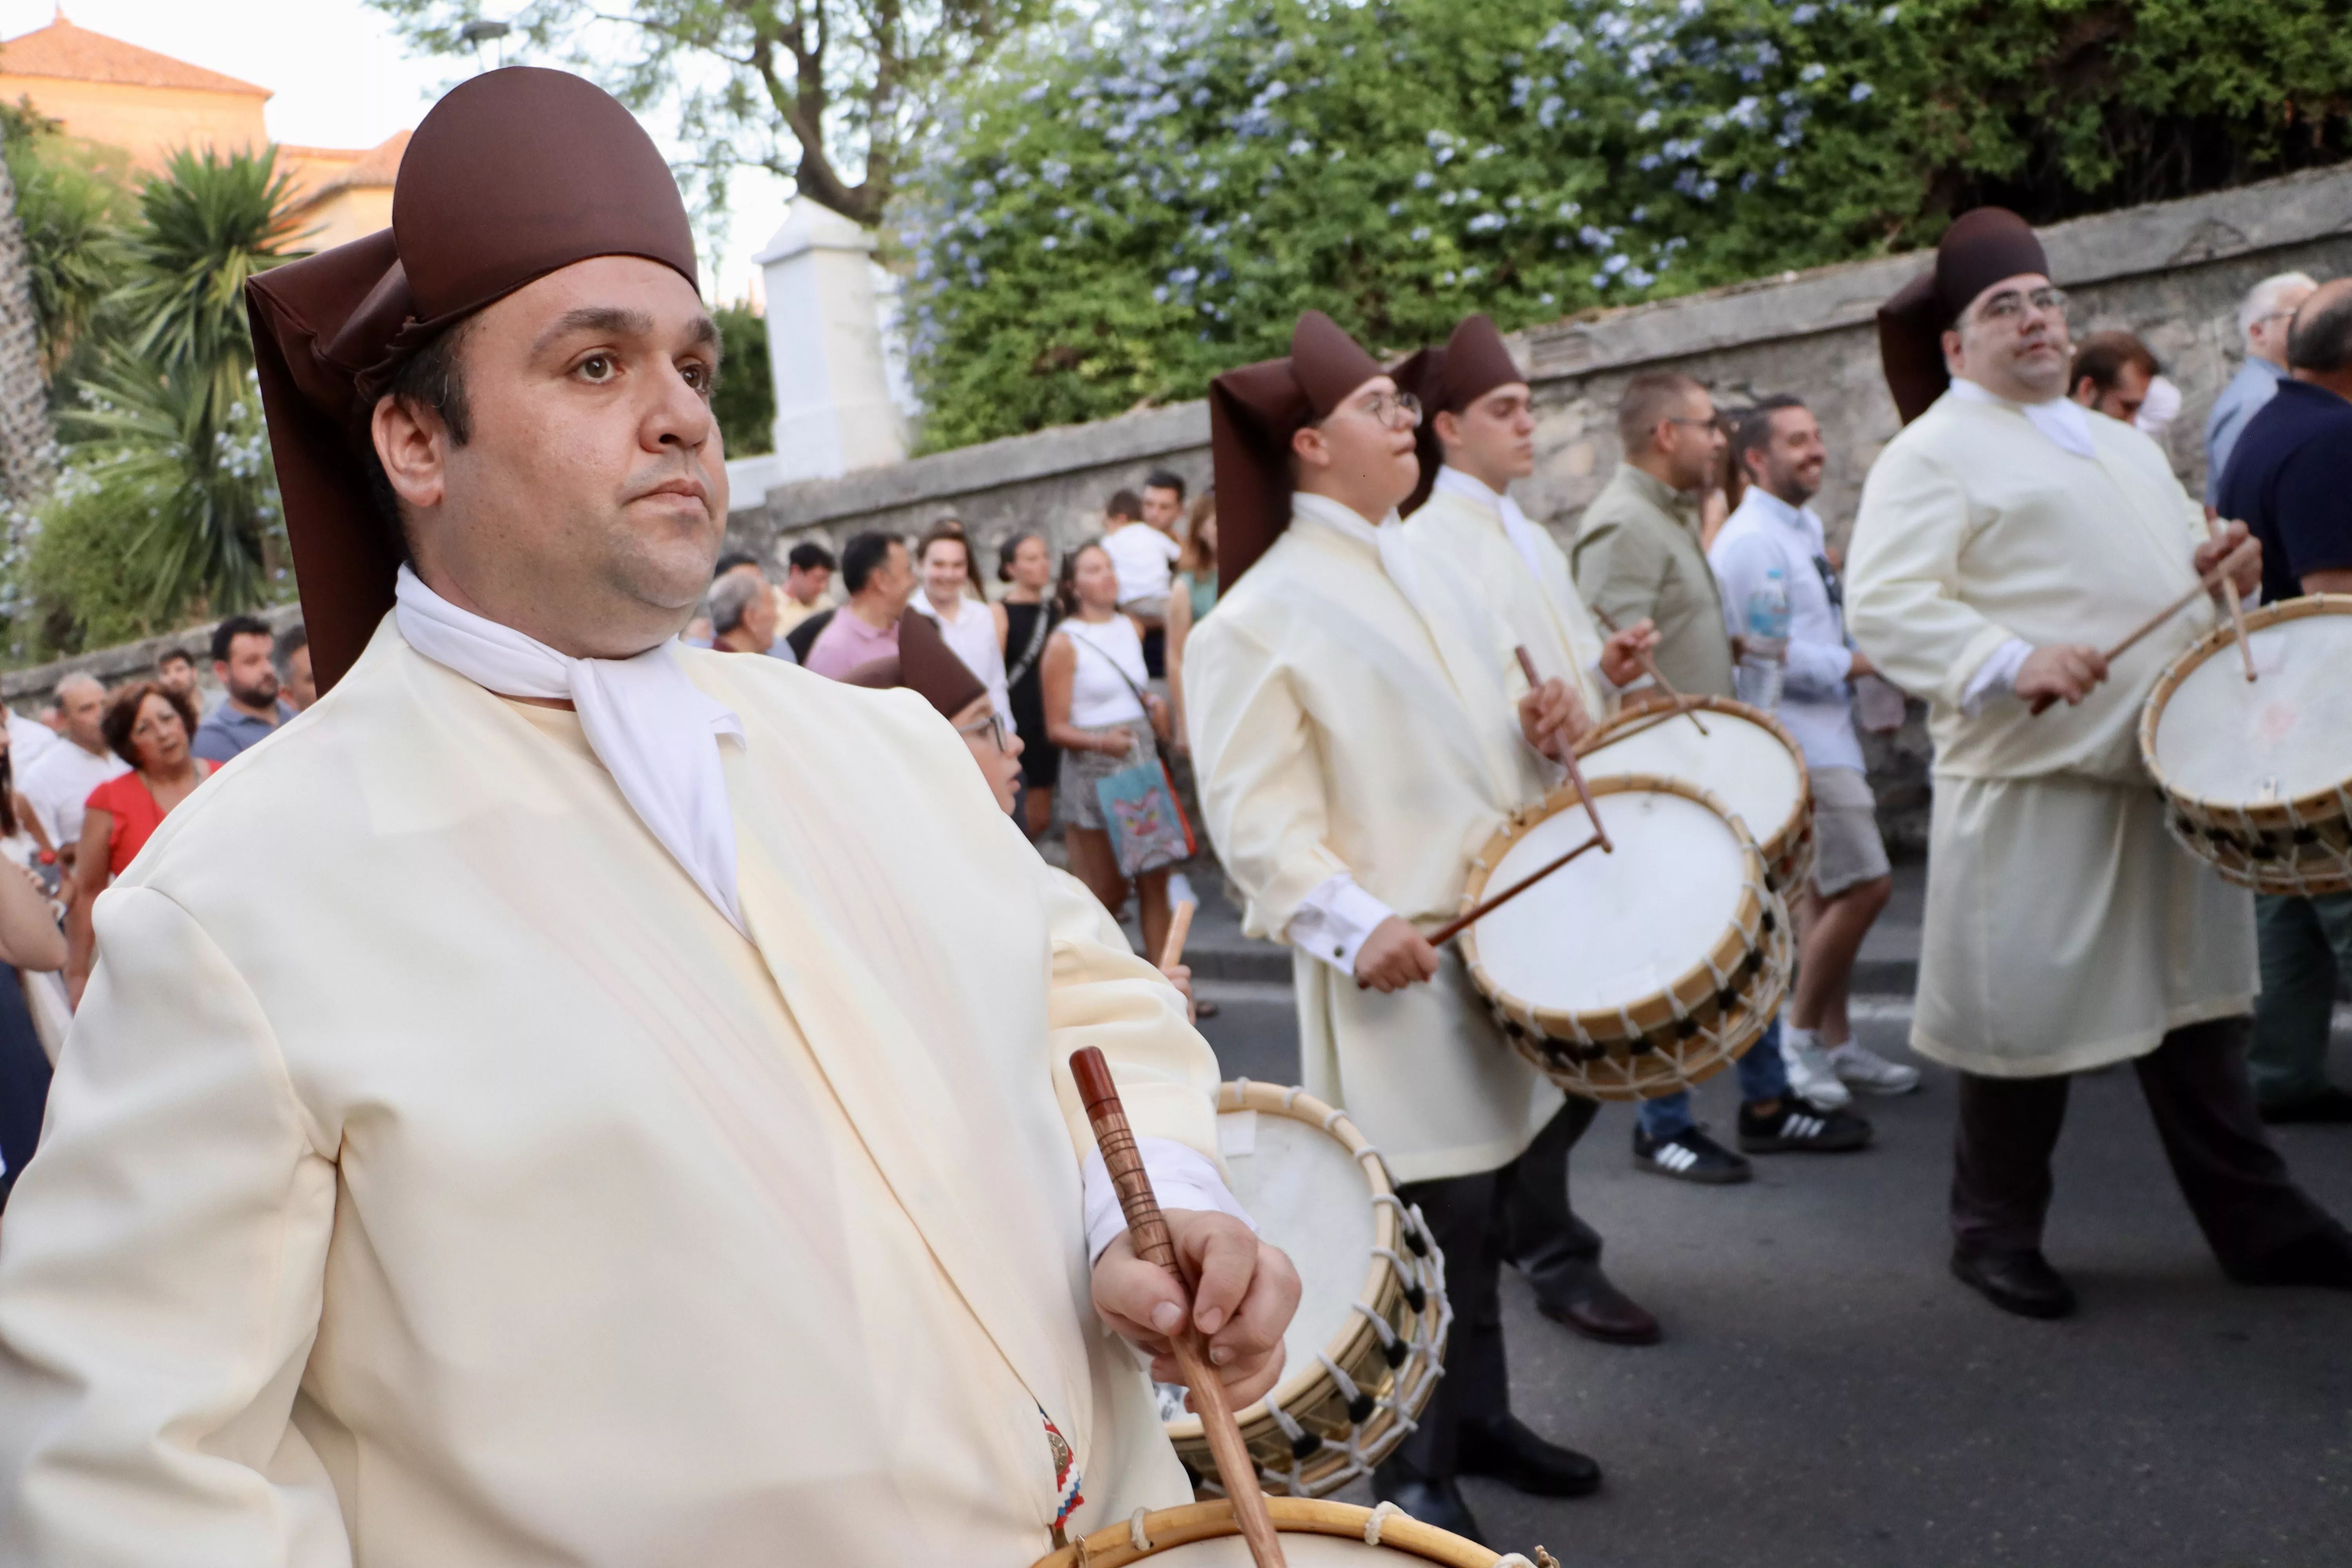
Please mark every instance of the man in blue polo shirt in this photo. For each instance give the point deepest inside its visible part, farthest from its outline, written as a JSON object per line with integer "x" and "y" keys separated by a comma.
{"x": 243, "y": 650}
{"x": 2290, "y": 481}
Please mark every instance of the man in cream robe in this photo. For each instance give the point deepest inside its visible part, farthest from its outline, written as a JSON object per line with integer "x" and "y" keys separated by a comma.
{"x": 2004, "y": 537}
{"x": 1349, "y": 708}
{"x": 620, "y": 1121}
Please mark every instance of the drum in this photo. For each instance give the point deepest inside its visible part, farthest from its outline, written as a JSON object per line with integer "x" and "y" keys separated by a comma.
{"x": 1315, "y": 1534}
{"x": 1635, "y": 973}
{"x": 1748, "y": 758}
{"x": 1367, "y": 1346}
{"x": 2257, "y": 778}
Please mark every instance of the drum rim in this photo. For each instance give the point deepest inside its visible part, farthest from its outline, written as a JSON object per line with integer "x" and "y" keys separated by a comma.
{"x": 1789, "y": 839}
{"x": 1605, "y": 1022}
{"x": 2277, "y": 813}
{"x": 1113, "y": 1546}
{"x": 1380, "y": 1286}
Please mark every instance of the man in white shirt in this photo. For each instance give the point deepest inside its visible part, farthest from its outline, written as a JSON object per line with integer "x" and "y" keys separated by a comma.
{"x": 2006, "y": 536}
{"x": 1778, "y": 444}
{"x": 60, "y": 781}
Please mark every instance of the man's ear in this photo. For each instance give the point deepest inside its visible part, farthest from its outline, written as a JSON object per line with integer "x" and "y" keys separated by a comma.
{"x": 413, "y": 445}
{"x": 1953, "y": 358}
{"x": 1307, "y": 446}
{"x": 1448, "y": 425}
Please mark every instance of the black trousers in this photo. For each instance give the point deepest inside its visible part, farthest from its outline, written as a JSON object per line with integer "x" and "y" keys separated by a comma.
{"x": 1479, "y": 1222}
{"x": 2195, "y": 1084}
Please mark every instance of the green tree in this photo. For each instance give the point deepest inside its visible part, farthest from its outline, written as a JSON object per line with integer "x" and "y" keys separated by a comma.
{"x": 75, "y": 202}
{"x": 1124, "y": 207}
{"x": 745, "y": 398}
{"x": 807, "y": 90}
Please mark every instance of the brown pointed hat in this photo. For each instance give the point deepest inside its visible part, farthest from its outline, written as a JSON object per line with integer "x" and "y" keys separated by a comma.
{"x": 514, "y": 174}
{"x": 925, "y": 665}
{"x": 1473, "y": 361}
{"x": 1982, "y": 246}
{"x": 1253, "y": 414}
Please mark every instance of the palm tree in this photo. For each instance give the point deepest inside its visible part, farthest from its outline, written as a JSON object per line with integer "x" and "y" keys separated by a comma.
{"x": 28, "y": 439}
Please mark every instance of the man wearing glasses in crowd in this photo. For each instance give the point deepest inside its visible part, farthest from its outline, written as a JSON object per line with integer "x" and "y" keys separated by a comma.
{"x": 2005, "y": 537}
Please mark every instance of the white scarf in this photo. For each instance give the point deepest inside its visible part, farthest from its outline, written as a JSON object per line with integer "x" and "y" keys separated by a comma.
{"x": 1396, "y": 554}
{"x": 652, "y": 728}
{"x": 1516, "y": 526}
{"x": 2062, "y": 420}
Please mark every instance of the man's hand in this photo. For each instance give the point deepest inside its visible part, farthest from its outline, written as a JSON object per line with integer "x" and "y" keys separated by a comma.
{"x": 1553, "y": 719}
{"x": 1621, "y": 656}
{"x": 2061, "y": 672}
{"x": 1394, "y": 956}
{"x": 1243, "y": 1293}
{"x": 2248, "y": 575}
{"x": 1180, "y": 975}
{"x": 1861, "y": 664}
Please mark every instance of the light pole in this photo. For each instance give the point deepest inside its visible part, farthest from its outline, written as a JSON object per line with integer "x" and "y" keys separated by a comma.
{"x": 482, "y": 32}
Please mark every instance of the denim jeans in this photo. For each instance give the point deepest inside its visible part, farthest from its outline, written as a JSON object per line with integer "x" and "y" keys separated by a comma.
{"x": 1762, "y": 1076}
{"x": 2305, "y": 943}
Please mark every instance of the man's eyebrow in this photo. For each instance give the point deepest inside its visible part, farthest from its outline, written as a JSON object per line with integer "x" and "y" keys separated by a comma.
{"x": 608, "y": 321}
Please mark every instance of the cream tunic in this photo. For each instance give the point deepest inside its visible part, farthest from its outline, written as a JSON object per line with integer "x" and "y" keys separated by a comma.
{"x": 1332, "y": 734}
{"x": 435, "y": 1178}
{"x": 1538, "y": 603}
{"x": 2063, "y": 930}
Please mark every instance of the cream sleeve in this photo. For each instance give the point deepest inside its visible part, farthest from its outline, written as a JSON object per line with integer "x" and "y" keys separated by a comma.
{"x": 161, "y": 1286}
{"x": 1903, "y": 607}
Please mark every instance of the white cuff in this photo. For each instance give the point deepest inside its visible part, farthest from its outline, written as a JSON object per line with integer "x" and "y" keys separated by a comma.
{"x": 1996, "y": 676}
{"x": 1334, "y": 919}
{"x": 1181, "y": 1178}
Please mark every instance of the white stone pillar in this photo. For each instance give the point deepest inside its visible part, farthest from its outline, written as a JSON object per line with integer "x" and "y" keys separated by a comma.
{"x": 834, "y": 408}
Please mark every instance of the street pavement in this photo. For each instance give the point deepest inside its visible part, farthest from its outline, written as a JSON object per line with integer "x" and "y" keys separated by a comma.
{"x": 1827, "y": 1395}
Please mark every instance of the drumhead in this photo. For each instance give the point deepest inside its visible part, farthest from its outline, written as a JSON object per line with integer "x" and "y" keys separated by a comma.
{"x": 1597, "y": 934}
{"x": 1745, "y": 765}
{"x": 1310, "y": 1198}
{"x": 2288, "y": 734}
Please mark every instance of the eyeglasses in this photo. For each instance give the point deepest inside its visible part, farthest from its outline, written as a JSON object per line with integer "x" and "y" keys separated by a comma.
{"x": 2009, "y": 306}
{"x": 1397, "y": 411}
{"x": 992, "y": 724}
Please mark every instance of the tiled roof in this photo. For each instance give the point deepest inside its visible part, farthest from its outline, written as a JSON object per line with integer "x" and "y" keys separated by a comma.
{"x": 76, "y": 54}
{"x": 341, "y": 168}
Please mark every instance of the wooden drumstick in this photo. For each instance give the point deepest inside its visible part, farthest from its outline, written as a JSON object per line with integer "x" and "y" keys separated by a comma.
{"x": 1180, "y": 926}
{"x": 2205, "y": 584}
{"x": 2229, "y": 597}
{"x": 1480, "y": 911}
{"x": 1650, "y": 668}
{"x": 1575, "y": 774}
{"x": 1153, "y": 1244}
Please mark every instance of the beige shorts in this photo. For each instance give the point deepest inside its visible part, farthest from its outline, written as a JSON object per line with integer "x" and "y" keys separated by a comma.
{"x": 1847, "y": 849}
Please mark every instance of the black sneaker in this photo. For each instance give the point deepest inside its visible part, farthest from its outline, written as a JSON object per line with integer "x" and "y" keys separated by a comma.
{"x": 1799, "y": 1127}
{"x": 1689, "y": 1155}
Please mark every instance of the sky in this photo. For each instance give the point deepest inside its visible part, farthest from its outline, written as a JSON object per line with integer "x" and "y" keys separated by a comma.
{"x": 340, "y": 79}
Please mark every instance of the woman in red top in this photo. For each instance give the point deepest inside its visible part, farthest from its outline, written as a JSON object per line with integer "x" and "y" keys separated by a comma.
{"x": 148, "y": 728}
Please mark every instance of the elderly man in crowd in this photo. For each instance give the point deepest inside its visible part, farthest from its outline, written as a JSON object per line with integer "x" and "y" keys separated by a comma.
{"x": 57, "y": 782}
{"x": 2263, "y": 321}
{"x": 2290, "y": 483}
{"x": 743, "y": 613}
{"x": 2111, "y": 375}
{"x": 244, "y": 663}
{"x": 880, "y": 578}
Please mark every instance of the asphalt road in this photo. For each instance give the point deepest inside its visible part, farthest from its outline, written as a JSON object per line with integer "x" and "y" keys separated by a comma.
{"x": 1828, "y": 1397}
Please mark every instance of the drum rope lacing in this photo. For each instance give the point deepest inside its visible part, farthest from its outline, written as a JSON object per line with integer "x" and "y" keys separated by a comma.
{"x": 2305, "y": 871}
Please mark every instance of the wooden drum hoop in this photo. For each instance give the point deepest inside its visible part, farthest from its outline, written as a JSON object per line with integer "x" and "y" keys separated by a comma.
{"x": 1788, "y": 847}
{"x": 1665, "y": 1042}
{"x": 1152, "y": 1531}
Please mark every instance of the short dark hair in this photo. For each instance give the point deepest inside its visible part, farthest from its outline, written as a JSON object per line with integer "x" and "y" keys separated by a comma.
{"x": 732, "y": 560}
{"x": 2103, "y": 355}
{"x": 1648, "y": 399}
{"x": 433, "y": 378}
{"x": 1125, "y": 504}
{"x": 1009, "y": 547}
{"x": 2320, "y": 339}
{"x": 123, "y": 712}
{"x": 225, "y": 634}
{"x": 862, "y": 555}
{"x": 175, "y": 655}
{"x": 809, "y": 556}
{"x": 1752, "y": 430}
{"x": 1161, "y": 480}
{"x": 291, "y": 641}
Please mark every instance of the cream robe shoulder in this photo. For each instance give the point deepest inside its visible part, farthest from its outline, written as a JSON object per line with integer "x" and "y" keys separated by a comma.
{"x": 1541, "y": 608}
{"x": 2063, "y": 930}
{"x": 1328, "y": 736}
{"x": 434, "y": 1177}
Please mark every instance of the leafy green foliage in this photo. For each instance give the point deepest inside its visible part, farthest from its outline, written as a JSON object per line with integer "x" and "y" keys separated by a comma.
{"x": 73, "y": 200}
{"x": 745, "y": 398}
{"x": 1127, "y": 206}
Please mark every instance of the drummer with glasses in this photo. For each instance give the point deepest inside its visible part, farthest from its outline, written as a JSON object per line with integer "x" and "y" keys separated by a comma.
{"x": 2005, "y": 537}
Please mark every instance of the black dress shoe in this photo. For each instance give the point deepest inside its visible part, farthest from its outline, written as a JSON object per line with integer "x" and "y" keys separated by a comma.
{"x": 2330, "y": 1105}
{"x": 1504, "y": 1449}
{"x": 2018, "y": 1282}
{"x": 1598, "y": 1310}
{"x": 1431, "y": 1501}
{"x": 2322, "y": 1259}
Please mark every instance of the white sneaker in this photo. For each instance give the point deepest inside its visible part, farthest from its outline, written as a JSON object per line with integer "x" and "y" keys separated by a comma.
{"x": 1811, "y": 1077}
{"x": 1864, "y": 1068}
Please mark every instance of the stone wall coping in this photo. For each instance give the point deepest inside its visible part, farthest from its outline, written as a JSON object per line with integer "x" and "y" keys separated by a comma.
{"x": 126, "y": 659}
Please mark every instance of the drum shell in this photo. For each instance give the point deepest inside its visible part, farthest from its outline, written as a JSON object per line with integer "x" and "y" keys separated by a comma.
{"x": 1788, "y": 845}
{"x": 1114, "y": 1546}
{"x": 2301, "y": 846}
{"x": 1309, "y": 1395}
{"x": 1594, "y": 1054}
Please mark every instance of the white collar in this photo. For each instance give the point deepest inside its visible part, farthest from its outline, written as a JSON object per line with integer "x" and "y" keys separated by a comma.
{"x": 654, "y": 730}
{"x": 1387, "y": 538}
{"x": 2062, "y": 420}
{"x": 1768, "y": 505}
{"x": 1516, "y": 526}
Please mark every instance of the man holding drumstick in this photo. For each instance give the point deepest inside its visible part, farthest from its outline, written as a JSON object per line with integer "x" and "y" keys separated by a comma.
{"x": 1352, "y": 714}
{"x": 2005, "y": 537}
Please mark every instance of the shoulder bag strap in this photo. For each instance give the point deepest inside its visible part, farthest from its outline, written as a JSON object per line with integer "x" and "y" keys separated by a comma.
{"x": 1038, "y": 633}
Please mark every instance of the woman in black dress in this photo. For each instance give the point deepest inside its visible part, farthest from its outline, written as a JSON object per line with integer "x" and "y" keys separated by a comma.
{"x": 1025, "y": 618}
